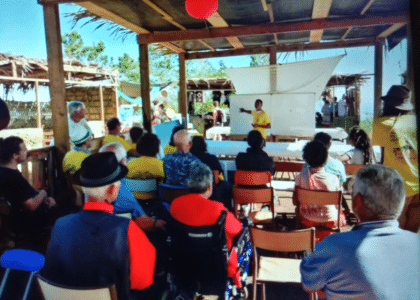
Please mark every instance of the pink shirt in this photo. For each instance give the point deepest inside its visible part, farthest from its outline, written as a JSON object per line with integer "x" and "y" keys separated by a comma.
{"x": 318, "y": 179}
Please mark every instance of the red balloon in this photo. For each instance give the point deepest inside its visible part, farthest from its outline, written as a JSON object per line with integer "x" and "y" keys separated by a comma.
{"x": 201, "y": 9}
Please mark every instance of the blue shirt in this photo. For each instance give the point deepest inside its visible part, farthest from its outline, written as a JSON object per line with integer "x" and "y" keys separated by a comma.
{"x": 126, "y": 202}
{"x": 333, "y": 166}
{"x": 177, "y": 167}
{"x": 376, "y": 260}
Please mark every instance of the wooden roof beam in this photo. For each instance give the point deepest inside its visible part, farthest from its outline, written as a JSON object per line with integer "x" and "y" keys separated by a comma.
{"x": 264, "y": 4}
{"x": 320, "y": 10}
{"x": 286, "y": 48}
{"x": 106, "y": 14}
{"x": 391, "y": 30}
{"x": 217, "y": 21}
{"x": 364, "y": 10}
{"x": 271, "y": 28}
{"x": 169, "y": 18}
{"x": 271, "y": 15}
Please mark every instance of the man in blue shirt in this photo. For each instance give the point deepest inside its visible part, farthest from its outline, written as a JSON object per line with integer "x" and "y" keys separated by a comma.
{"x": 125, "y": 202}
{"x": 177, "y": 165}
{"x": 377, "y": 259}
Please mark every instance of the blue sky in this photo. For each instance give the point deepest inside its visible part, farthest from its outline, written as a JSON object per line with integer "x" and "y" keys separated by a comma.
{"x": 22, "y": 33}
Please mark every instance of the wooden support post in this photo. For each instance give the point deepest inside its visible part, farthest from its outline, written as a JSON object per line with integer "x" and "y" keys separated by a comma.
{"x": 273, "y": 69}
{"x": 101, "y": 100}
{"x": 357, "y": 102}
{"x": 378, "y": 80}
{"x": 182, "y": 101}
{"x": 410, "y": 66}
{"x": 56, "y": 77}
{"x": 38, "y": 106}
{"x": 117, "y": 102}
{"x": 145, "y": 87}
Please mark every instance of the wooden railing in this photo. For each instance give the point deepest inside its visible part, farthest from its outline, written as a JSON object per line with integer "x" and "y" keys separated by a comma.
{"x": 38, "y": 168}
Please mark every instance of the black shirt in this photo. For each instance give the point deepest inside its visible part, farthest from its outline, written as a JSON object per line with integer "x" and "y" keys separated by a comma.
{"x": 255, "y": 160}
{"x": 15, "y": 188}
{"x": 210, "y": 160}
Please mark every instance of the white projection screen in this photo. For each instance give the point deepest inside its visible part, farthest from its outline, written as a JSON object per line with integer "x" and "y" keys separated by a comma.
{"x": 289, "y": 113}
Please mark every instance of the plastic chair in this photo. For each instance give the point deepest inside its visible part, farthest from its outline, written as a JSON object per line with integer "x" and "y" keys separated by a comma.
{"x": 352, "y": 169}
{"x": 276, "y": 269}
{"x": 304, "y": 196}
{"x": 54, "y": 291}
{"x": 141, "y": 185}
{"x": 20, "y": 259}
{"x": 251, "y": 187}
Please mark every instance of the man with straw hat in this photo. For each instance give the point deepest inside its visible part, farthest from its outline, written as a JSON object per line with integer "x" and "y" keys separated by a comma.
{"x": 96, "y": 248}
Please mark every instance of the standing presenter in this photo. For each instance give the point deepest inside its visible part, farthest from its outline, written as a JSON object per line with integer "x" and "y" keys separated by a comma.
{"x": 261, "y": 118}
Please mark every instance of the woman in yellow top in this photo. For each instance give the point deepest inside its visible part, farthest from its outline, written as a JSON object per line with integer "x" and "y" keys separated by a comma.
{"x": 147, "y": 166}
{"x": 261, "y": 119}
{"x": 171, "y": 148}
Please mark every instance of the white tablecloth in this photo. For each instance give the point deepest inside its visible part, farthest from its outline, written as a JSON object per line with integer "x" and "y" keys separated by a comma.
{"x": 336, "y": 133}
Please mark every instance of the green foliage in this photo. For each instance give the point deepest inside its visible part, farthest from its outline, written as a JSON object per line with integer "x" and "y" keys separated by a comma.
{"x": 366, "y": 125}
{"x": 129, "y": 68}
{"x": 259, "y": 60}
{"x": 74, "y": 48}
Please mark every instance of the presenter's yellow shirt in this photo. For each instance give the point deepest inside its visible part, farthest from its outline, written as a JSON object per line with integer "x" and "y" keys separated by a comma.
{"x": 398, "y": 136}
{"x": 72, "y": 161}
{"x": 145, "y": 167}
{"x": 261, "y": 118}
{"x": 169, "y": 149}
{"x": 114, "y": 138}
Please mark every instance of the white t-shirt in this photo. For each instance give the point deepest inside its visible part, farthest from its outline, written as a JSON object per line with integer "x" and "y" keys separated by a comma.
{"x": 356, "y": 157}
{"x": 342, "y": 108}
{"x": 74, "y": 128}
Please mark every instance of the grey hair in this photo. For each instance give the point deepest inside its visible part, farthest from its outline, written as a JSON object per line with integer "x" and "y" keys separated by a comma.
{"x": 200, "y": 178}
{"x": 182, "y": 137}
{"x": 75, "y": 106}
{"x": 382, "y": 189}
{"x": 115, "y": 147}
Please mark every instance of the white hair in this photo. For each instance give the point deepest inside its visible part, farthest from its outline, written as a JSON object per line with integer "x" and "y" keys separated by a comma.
{"x": 96, "y": 192}
{"x": 115, "y": 147}
{"x": 200, "y": 178}
{"x": 75, "y": 106}
{"x": 382, "y": 189}
{"x": 182, "y": 137}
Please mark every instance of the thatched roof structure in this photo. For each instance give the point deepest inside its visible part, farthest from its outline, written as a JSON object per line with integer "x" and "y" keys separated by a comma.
{"x": 17, "y": 69}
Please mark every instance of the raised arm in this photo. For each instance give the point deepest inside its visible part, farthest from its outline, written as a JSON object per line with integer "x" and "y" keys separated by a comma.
{"x": 243, "y": 110}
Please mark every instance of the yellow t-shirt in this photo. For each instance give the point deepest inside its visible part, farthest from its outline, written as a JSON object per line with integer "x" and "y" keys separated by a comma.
{"x": 114, "y": 138}
{"x": 145, "y": 167}
{"x": 72, "y": 161}
{"x": 169, "y": 149}
{"x": 398, "y": 136}
{"x": 261, "y": 118}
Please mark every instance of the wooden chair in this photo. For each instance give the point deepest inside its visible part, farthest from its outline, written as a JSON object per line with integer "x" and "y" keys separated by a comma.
{"x": 275, "y": 269}
{"x": 304, "y": 196}
{"x": 251, "y": 187}
{"x": 54, "y": 291}
{"x": 291, "y": 168}
{"x": 352, "y": 169}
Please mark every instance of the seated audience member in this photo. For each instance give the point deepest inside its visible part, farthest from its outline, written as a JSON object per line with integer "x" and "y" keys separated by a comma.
{"x": 333, "y": 165}
{"x": 222, "y": 191}
{"x": 31, "y": 208}
{"x": 135, "y": 134}
{"x": 362, "y": 153}
{"x": 217, "y": 114}
{"x": 377, "y": 259}
{"x": 125, "y": 201}
{"x": 171, "y": 148}
{"x": 196, "y": 209}
{"x": 147, "y": 166}
{"x": 96, "y": 248}
{"x": 316, "y": 178}
{"x": 255, "y": 159}
{"x": 72, "y": 161}
{"x": 114, "y": 131}
{"x": 177, "y": 165}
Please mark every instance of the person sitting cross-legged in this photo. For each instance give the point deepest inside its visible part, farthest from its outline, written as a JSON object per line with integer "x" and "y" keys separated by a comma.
{"x": 125, "y": 201}
{"x": 316, "y": 178}
{"x": 177, "y": 165}
{"x": 95, "y": 248}
{"x": 376, "y": 259}
{"x": 196, "y": 209}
